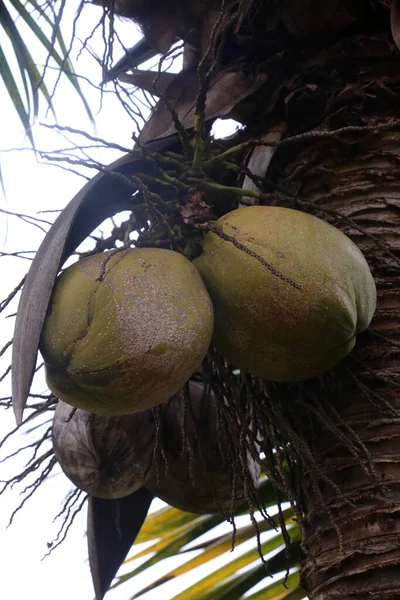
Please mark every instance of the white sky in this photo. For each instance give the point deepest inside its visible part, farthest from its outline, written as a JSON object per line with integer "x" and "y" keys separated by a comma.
{"x": 32, "y": 186}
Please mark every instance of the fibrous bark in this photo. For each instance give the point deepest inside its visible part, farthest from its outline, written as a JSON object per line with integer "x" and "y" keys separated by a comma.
{"x": 352, "y": 179}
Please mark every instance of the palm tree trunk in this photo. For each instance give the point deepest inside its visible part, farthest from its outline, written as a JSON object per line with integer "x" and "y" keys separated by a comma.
{"x": 352, "y": 179}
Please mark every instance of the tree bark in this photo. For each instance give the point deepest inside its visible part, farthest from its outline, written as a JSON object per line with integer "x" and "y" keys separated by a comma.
{"x": 352, "y": 179}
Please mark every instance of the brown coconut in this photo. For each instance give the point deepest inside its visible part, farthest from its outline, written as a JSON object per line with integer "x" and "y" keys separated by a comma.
{"x": 105, "y": 456}
{"x": 196, "y": 478}
{"x": 290, "y": 292}
{"x": 125, "y": 330}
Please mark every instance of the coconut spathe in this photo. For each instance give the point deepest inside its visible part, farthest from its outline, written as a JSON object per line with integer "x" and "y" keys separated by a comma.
{"x": 290, "y": 297}
{"x": 105, "y": 456}
{"x": 125, "y": 330}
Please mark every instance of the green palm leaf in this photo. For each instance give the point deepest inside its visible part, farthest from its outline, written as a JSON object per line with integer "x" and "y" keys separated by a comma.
{"x": 215, "y": 550}
{"x": 281, "y": 589}
{"x": 163, "y": 521}
{"x": 12, "y": 88}
{"x": 172, "y": 542}
{"x": 33, "y": 84}
{"x": 172, "y": 530}
{"x": 227, "y": 584}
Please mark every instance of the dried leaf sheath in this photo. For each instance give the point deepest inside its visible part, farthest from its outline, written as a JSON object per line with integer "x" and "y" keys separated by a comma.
{"x": 112, "y": 528}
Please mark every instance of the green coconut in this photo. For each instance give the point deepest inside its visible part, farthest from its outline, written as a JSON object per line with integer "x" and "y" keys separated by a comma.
{"x": 103, "y": 455}
{"x": 290, "y": 297}
{"x": 196, "y": 477}
{"x": 125, "y": 330}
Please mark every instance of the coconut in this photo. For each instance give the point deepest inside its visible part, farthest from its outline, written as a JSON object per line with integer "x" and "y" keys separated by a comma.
{"x": 125, "y": 330}
{"x": 290, "y": 292}
{"x": 196, "y": 476}
{"x": 106, "y": 456}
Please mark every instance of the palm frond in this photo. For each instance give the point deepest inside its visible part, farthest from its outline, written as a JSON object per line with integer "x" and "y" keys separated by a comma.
{"x": 12, "y": 88}
{"x": 174, "y": 533}
{"x": 17, "y": 19}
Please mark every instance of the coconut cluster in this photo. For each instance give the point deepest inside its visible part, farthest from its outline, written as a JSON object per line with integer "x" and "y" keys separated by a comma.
{"x": 281, "y": 294}
{"x": 113, "y": 456}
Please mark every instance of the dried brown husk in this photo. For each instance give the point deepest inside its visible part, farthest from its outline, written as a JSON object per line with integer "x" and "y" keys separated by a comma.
{"x": 176, "y": 451}
{"x": 106, "y": 456}
{"x": 194, "y": 471}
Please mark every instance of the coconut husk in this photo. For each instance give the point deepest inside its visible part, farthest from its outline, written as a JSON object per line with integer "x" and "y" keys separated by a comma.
{"x": 125, "y": 330}
{"x": 290, "y": 292}
{"x": 106, "y": 456}
{"x": 192, "y": 471}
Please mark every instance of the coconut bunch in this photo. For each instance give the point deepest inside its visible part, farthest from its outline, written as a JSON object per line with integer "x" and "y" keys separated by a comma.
{"x": 126, "y": 330}
{"x": 112, "y": 457}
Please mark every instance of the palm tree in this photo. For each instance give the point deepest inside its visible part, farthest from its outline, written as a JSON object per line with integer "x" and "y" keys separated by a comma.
{"x": 316, "y": 86}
